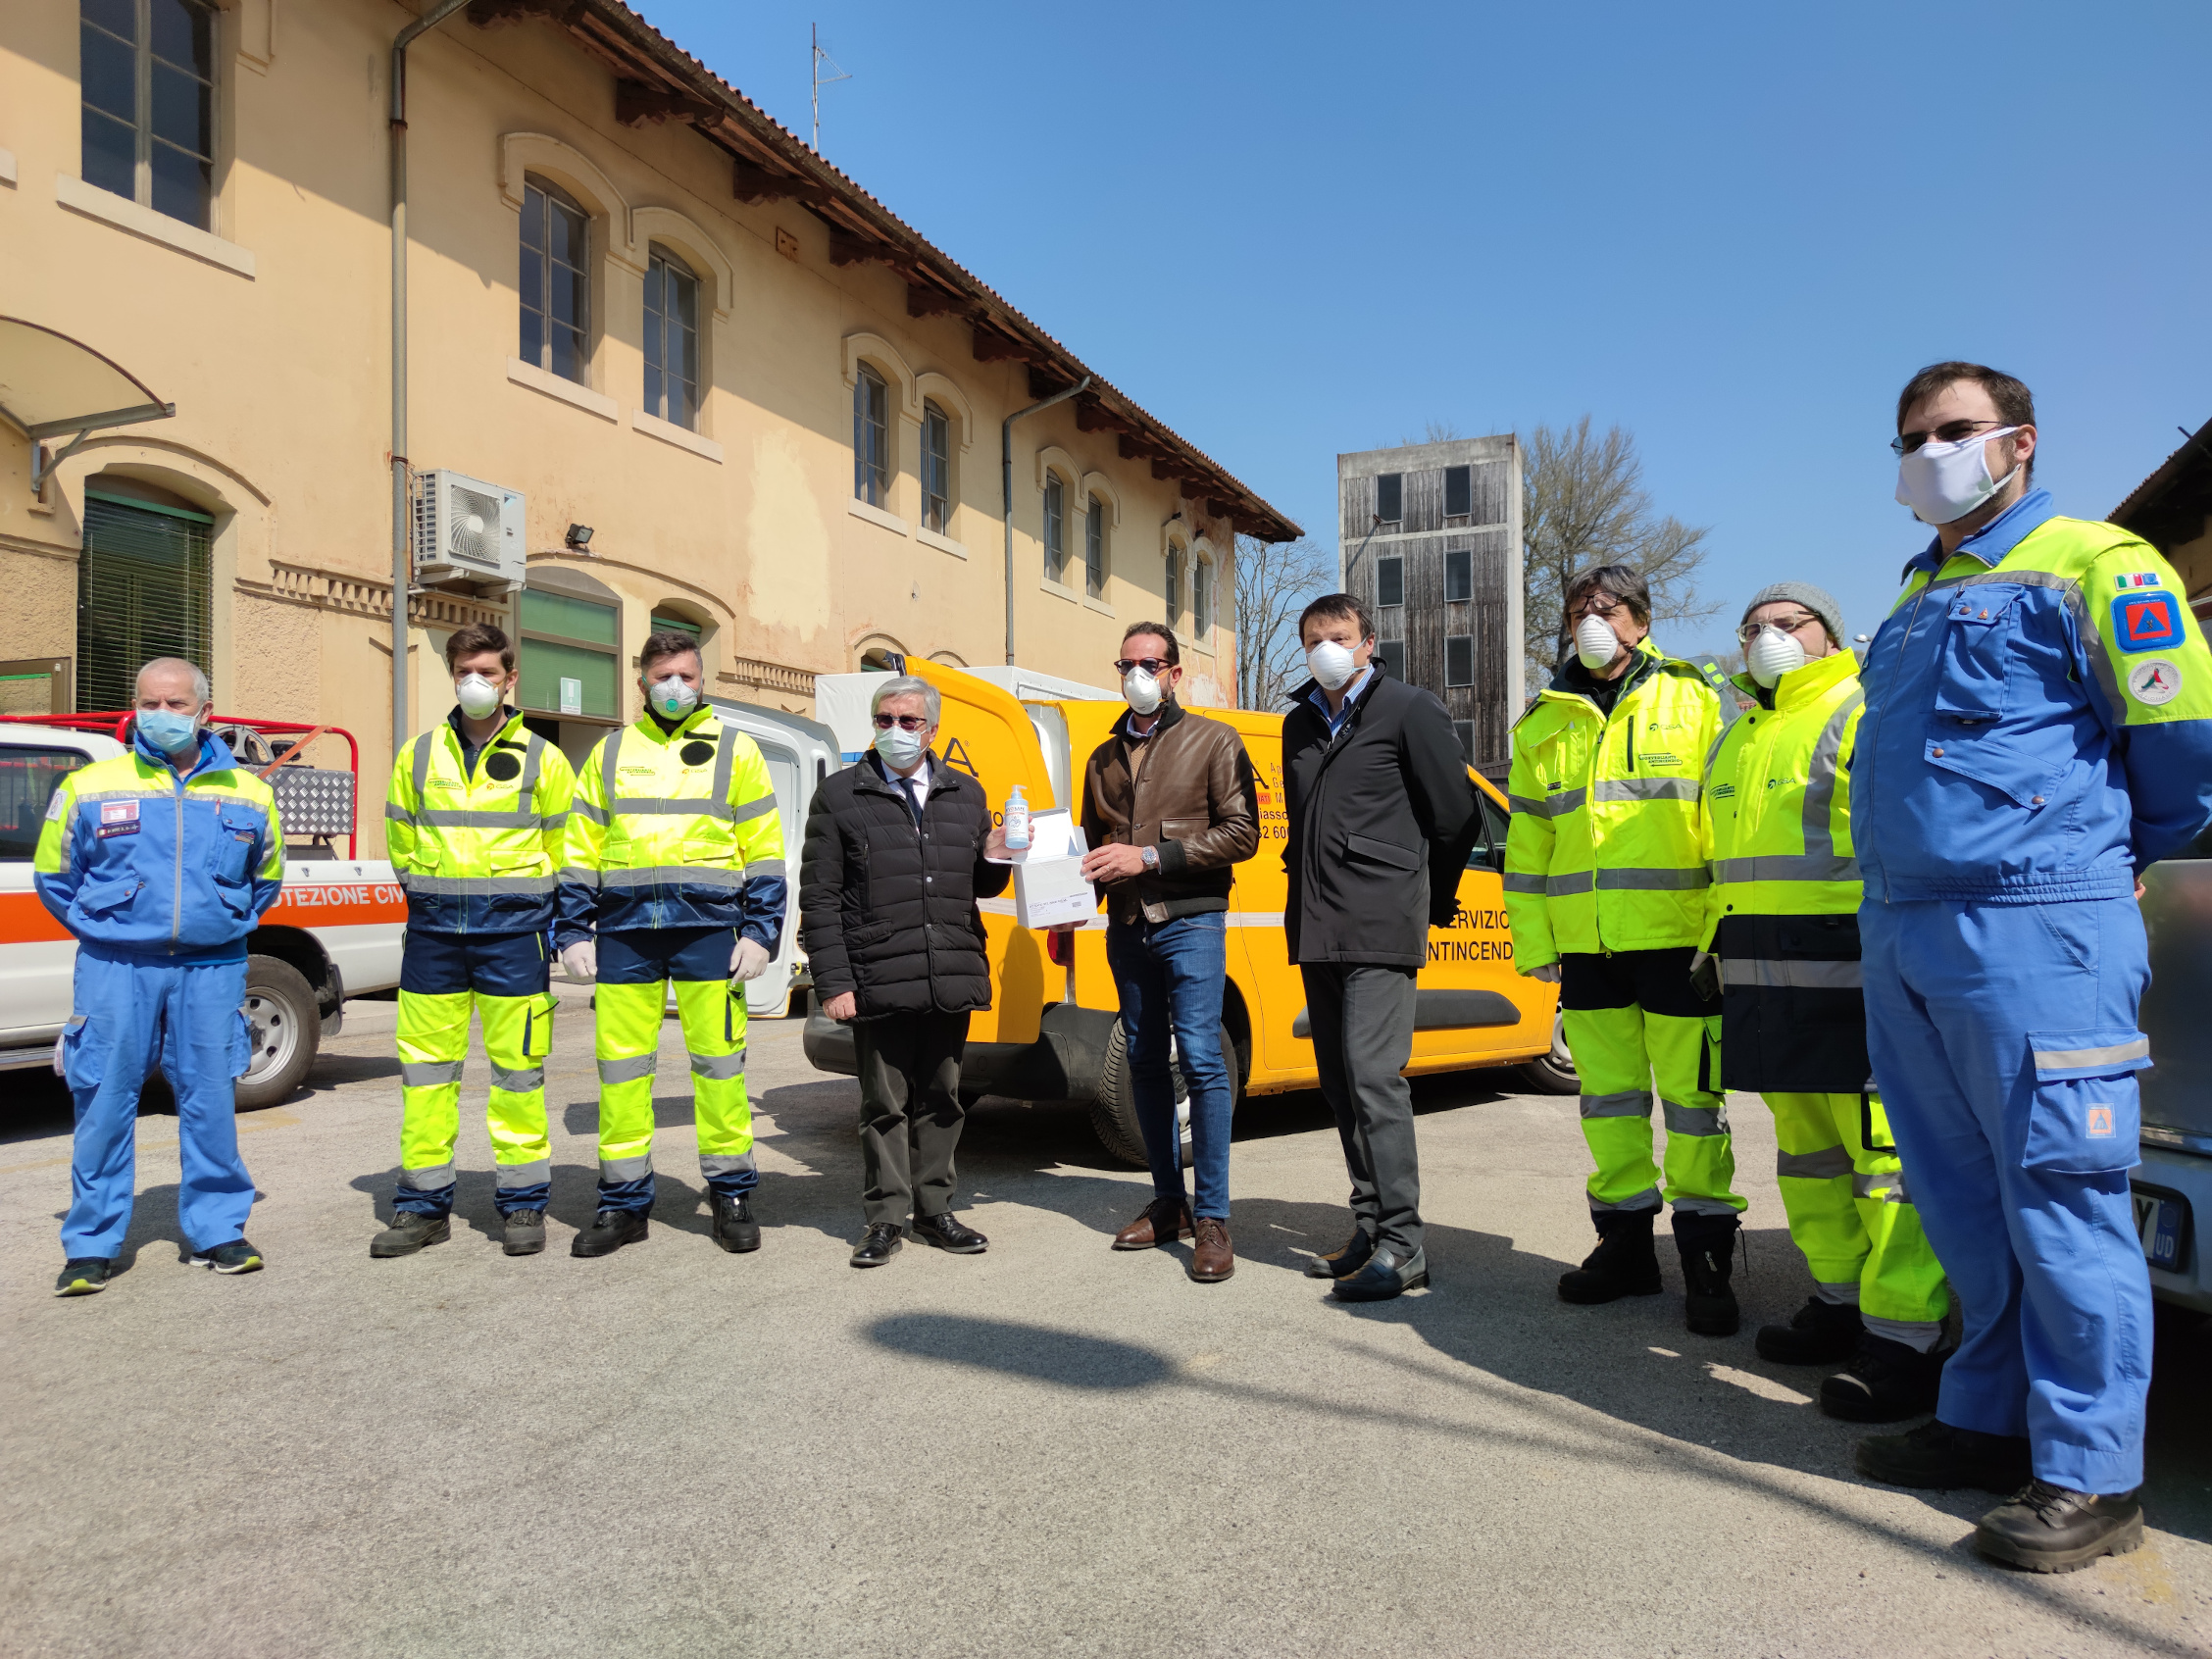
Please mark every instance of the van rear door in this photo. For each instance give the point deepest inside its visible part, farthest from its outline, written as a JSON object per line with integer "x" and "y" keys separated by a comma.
{"x": 800, "y": 753}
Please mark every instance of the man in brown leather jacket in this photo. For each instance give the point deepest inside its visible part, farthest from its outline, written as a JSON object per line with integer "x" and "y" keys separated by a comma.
{"x": 1169, "y": 805}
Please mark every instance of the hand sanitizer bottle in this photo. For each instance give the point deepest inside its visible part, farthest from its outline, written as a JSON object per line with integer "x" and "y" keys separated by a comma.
{"x": 1017, "y": 820}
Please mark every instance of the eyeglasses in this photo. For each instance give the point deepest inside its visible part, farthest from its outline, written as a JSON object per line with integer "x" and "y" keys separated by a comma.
{"x": 1950, "y": 431}
{"x": 1153, "y": 666}
{"x": 905, "y": 722}
{"x": 1789, "y": 625}
{"x": 1599, "y": 604}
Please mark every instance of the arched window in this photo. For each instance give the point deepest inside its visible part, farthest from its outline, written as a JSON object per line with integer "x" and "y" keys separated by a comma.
{"x": 672, "y": 341}
{"x": 555, "y": 280}
{"x": 1172, "y": 588}
{"x": 1202, "y": 599}
{"x": 1055, "y": 528}
{"x": 145, "y": 587}
{"x": 937, "y": 467}
{"x": 1096, "y": 549}
{"x": 871, "y": 437}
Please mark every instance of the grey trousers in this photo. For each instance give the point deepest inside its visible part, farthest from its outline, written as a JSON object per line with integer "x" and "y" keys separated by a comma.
{"x": 910, "y": 1113}
{"x": 1362, "y": 1018}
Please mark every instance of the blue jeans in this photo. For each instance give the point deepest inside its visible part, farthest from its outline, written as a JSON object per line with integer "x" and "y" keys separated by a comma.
{"x": 1170, "y": 975}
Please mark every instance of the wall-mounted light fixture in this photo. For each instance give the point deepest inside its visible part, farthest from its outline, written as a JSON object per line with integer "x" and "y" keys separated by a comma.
{"x": 580, "y": 538}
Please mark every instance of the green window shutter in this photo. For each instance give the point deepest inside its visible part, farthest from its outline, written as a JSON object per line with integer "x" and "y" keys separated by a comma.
{"x": 144, "y": 589}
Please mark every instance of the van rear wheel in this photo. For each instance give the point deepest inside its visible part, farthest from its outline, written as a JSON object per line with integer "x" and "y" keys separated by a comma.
{"x": 287, "y": 1030}
{"x": 1113, "y": 1113}
{"x": 1553, "y": 1073}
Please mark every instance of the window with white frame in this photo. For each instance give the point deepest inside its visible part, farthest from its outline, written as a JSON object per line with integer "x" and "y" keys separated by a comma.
{"x": 555, "y": 280}
{"x": 871, "y": 437}
{"x": 1390, "y": 580}
{"x": 1459, "y": 659}
{"x": 671, "y": 340}
{"x": 937, "y": 467}
{"x": 1459, "y": 575}
{"x": 1055, "y": 528}
{"x": 147, "y": 73}
{"x": 1095, "y": 549}
{"x": 1201, "y": 598}
{"x": 1173, "y": 586}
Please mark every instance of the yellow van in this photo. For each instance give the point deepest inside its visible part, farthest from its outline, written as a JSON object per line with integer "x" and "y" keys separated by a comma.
{"x": 1054, "y": 1031}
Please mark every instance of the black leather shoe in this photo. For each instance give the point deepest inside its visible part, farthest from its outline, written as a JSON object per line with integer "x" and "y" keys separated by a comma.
{"x": 609, "y": 1232}
{"x": 1885, "y": 1382}
{"x": 1388, "y": 1274}
{"x": 1940, "y": 1457}
{"x": 1623, "y": 1264}
{"x": 2047, "y": 1528}
{"x": 1346, "y": 1259}
{"x": 949, "y": 1233}
{"x": 734, "y": 1229}
{"x": 1818, "y": 1333}
{"x": 877, "y": 1245}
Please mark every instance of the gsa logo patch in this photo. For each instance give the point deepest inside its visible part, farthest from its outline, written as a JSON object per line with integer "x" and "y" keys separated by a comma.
{"x": 2146, "y": 619}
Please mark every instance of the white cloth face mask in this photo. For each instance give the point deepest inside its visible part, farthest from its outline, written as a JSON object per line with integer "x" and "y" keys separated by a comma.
{"x": 1140, "y": 691}
{"x": 673, "y": 697}
{"x": 1330, "y": 664}
{"x": 899, "y": 747}
{"x": 1596, "y": 644}
{"x": 1944, "y": 481}
{"x": 1772, "y": 655}
{"x": 476, "y": 696}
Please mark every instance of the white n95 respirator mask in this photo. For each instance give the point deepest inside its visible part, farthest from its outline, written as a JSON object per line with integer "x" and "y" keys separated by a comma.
{"x": 1596, "y": 644}
{"x": 1772, "y": 655}
{"x": 1140, "y": 691}
{"x": 476, "y": 696}
{"x": 673, "y": 697}
{"x": 1331, "y": 664}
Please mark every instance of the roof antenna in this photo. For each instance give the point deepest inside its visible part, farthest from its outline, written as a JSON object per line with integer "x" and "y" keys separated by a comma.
{"x": 821, "y": 56}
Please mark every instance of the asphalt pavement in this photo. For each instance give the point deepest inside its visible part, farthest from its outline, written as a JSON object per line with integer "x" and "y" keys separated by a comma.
{"x": 1051, "y": 1448}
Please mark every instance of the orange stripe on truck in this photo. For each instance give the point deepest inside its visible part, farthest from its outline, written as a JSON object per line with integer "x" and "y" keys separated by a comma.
{"x": 305, "y": 904}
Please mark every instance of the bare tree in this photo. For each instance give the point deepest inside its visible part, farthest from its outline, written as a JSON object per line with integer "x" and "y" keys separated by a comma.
{"x": 1585, "y": 503}
{"x": 1275, "y": 581}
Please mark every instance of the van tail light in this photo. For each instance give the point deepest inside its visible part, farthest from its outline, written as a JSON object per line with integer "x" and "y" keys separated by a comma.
{"x": 1061, "y": 948}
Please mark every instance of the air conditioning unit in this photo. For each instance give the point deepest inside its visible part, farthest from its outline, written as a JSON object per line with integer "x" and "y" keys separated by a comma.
{"x": 468, "y": 530}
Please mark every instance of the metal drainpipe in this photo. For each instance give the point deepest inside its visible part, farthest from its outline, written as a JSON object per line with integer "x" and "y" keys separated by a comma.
{"x": 402, "y": 562}
{"x": 1006, "y": 482}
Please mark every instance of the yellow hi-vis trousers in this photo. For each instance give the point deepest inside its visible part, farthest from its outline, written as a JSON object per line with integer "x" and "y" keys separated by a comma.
{"x": 1632, "y": 1020}
{"x": 1849, "y": 1212}
{"x": 501, "y": 979}
{"x": 629, "y": 1035}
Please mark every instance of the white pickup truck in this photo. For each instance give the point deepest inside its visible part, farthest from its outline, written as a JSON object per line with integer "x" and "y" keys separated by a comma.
{"x": 333, "y": 933}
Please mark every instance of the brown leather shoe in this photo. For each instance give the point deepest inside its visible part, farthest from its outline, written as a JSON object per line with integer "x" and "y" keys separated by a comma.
{"x": 1163, "y": 1221}
{"x": 1213, "y": 1260}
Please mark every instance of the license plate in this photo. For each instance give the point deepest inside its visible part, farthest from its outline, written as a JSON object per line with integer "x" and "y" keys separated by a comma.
{"x": 2159, "y": 1224}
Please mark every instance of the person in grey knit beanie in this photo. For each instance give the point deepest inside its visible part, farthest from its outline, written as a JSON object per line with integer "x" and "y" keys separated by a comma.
{"x": 1816, "y": 600}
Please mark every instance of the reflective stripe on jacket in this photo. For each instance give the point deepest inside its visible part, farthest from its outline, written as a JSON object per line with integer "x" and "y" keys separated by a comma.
{"x": 1605, "y": 850}
{"x": 2039, "y": 721}
{"x": 134, "y": 858}
{"x": 476, "y": 850}
{"x": 1781, "y": 914}
{"x": 674, "y": 829}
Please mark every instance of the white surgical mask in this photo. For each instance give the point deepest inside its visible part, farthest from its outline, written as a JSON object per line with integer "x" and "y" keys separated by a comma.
{"x": 899, "y": 747}
{"x": 673, "y": 697}
{"x": 1331, "y": 664}
{"x": 1596, "y": 644}
{"x": 1140, "y": 691}
{"x": 1944, "y": 481}
{"x": 1772, "y": 654}
{"x": 477, "y": 695}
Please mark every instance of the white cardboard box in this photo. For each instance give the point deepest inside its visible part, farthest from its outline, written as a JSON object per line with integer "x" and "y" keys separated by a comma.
{"x": 1048, "y": 884}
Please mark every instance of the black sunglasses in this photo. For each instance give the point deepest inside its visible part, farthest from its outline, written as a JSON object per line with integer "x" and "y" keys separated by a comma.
{"x": 1950, "y": 431}
{"x": 1153, "y": 666}
{"x": 907, "y": 723}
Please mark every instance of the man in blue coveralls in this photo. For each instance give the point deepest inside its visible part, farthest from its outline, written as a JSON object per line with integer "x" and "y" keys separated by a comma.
{"x": 2037, "y": 730}
{"x": 160, "y": 861}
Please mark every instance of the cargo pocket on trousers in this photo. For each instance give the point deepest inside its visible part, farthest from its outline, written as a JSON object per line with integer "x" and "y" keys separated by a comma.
{"x": 77, "y": 1054}
{"x": 537, "y": 1027}
{"x": 1709, "y": 1058}
{"x": 2086, "y": 1118}
{"x": 241, "y": 1044}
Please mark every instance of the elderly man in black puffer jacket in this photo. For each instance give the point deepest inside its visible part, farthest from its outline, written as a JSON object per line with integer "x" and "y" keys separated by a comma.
{"x": 898, "y": 851}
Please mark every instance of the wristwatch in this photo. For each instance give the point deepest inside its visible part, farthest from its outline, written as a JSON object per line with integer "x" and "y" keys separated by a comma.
{"x": 1151, "y": 858}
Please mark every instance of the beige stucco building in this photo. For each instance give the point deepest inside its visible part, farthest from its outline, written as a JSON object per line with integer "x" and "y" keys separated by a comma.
{"x": 631, "y": 299}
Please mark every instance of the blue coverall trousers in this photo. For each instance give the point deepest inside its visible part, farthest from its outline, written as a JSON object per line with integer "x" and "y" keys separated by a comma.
{"x": 128, "y": 1010}
{"x": 2004, "y": 1041}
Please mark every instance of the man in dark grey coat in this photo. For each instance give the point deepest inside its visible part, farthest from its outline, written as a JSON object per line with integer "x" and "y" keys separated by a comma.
{"x": 898, "y": 851}
{"x": 1383, "y": 817}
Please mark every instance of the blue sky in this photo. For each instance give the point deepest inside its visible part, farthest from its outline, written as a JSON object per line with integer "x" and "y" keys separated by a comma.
{"x": 1293, "y": 230}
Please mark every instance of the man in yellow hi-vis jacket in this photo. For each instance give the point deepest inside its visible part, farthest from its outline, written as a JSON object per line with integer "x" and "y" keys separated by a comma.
{"x": 473, "y": 823}
{"x": 674, "y": 872}
{"x": 1783, "y": 924}
{"x": 1605, "y": 887}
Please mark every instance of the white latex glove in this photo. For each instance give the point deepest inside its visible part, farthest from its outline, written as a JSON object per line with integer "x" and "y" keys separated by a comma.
{"x": 749, "y": 961}
{"x": 1548, "y": 972}
{"x": 581, "y": 961}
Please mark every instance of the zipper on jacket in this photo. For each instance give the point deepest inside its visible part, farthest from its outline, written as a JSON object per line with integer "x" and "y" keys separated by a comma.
{"x": 1631, "y": 724}
{"x": 177, "y": 911}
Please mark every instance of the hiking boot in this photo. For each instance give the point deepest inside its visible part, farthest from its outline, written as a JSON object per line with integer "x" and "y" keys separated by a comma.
{"x": 1885, "y": 1382}
{"x": 1212, "y": 1260}
{"x": 734, "y": 1229}
{"x": 523, "y": 1230}
{"x": 237, "y": 1256}
{"x": 1940, "y": 1457}
{"x": 609, "y": 1232}
{"x": 83, "y": 1275}
{"x": 409, "y": 1231}
{"x": 1818, "y": 1333}
{"x": 1623, "y": 1264}
{"x": 2048, "y": 1528}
